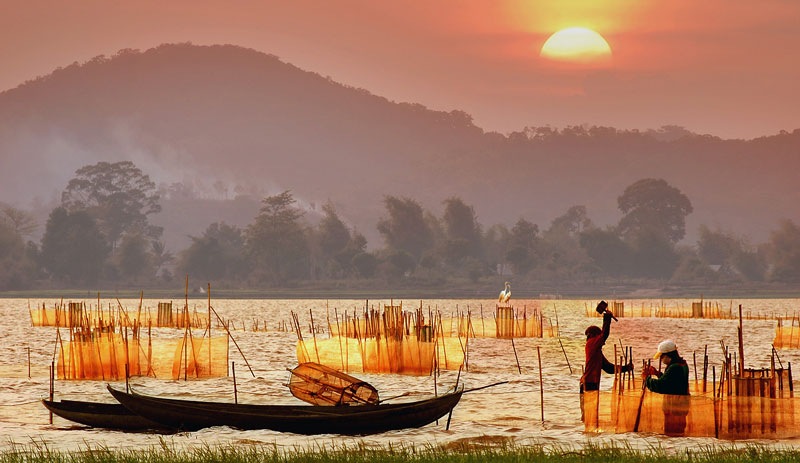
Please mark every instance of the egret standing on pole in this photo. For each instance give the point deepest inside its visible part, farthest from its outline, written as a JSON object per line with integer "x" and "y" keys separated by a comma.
{"x": 505, "y": 295}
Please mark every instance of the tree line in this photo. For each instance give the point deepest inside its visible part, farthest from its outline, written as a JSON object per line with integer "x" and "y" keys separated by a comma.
{"x": 100, "y": 233}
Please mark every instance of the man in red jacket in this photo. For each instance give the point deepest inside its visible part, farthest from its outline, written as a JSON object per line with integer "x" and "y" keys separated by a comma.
{"x": 595, "y": 360}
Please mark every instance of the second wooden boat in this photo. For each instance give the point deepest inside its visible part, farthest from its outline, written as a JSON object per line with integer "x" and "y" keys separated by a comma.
{"x": 101, "y": 415}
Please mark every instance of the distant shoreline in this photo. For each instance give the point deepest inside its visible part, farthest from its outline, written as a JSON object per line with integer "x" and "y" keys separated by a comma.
{"x": 409, "y": 294}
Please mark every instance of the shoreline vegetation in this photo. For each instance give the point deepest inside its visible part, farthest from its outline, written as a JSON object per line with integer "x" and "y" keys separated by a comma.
{"x": 380, "y": 290}
{"x": 288, "y": 251}
{"x": 456, "y": 452}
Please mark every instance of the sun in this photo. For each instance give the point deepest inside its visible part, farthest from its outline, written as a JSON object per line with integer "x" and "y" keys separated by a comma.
{"x": 576, "y": 44}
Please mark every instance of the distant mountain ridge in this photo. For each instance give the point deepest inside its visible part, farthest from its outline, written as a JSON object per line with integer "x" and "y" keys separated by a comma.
{"x": 246, "y": 117}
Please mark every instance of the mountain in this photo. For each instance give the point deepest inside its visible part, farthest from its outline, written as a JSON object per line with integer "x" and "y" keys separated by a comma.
{"x": 228, "y": 113}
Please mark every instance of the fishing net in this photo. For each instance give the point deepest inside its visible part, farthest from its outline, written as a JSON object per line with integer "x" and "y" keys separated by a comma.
{"x": 408, "y": 355}
{"x": 731, "y": 417}
{"x": 321, "y": 385}
{"x": 103, "y": 354}
{"x": 787, "y": 337}
{"x": 756, "y": 403}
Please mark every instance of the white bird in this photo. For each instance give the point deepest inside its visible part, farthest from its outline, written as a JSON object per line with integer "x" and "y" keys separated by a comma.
{"x": 505, "y": 295}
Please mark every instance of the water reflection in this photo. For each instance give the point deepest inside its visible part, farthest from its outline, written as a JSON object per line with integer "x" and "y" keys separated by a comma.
{"x": 511, "y": 411}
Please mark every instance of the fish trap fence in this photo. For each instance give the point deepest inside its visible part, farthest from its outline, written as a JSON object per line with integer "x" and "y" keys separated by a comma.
{"x": 703, "y": 310}
{"x": 78, "y": 314}
{"x": 105, "y": 355}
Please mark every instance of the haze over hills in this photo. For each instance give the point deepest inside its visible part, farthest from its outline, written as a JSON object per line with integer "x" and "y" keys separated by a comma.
{"x": 247, "y": 118}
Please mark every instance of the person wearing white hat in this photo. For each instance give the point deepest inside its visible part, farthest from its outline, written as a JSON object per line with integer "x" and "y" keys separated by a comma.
{"x": 674, "y": 383}
{"x": 675, "y": 379}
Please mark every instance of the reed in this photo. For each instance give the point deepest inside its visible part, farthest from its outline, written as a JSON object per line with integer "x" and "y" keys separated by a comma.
{"x": 466, "y": 452}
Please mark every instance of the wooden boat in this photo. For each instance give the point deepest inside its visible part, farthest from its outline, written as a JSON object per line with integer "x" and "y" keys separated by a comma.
{"x": 301, "y": 419}
{"x": 101, "y": 415}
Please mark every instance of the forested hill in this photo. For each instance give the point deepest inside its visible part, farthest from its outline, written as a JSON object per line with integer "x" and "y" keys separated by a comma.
{"x": 245, "y": 117}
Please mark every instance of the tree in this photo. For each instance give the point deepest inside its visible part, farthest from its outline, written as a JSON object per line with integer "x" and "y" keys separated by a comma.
{"x": 399, "y": 263}
{"x": 215, "y": 255}
{"x": 560, "y": 245}
{"x": 496, "y": 244}
{"x": 750, "y": 263}
{"x": 118, "y": 195}
{"x": 133, "y": 258}
{"x": 693, "y": 271}
{"x": 17, "y": 261}
{"x": 654, "y": 204}
{"x": 161, "y": 256}
{"x": 20, "y": 221}
{"x": 784, "y": 250}
{"x": 607, "y": 250}
{"x": 571, "y": 223}
{"x": 523, "y": 246}
{"x": 461, "y": 226}
{"x": 365, "y": 264}
{"x": 334, "y": 234}
{"x": 405, "y": 229}
{"x": 73, "y": 248}
{"x": 276, "y": 242}
{"x": 525, "y": 234}
{"x": 520, "y": 259}
{"x": 716, "y": 247}
{"x": 653, "y": 255}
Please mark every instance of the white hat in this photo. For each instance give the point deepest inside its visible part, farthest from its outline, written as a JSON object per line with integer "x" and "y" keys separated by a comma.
{"x": 665, "y": 347}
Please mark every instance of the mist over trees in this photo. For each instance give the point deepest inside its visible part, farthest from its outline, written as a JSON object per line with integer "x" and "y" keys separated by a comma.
{"x": 414, "y": 197}
{"x": 234, "y": 116}
{"x": 287, "y": 244}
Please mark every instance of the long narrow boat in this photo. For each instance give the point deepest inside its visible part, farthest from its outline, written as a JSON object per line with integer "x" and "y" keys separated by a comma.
{"x": 101, "y": 415}
{"x": 192, "y": 415}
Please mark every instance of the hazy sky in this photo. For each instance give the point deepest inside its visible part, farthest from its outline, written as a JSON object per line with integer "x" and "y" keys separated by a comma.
{"x": 726, "y": 67}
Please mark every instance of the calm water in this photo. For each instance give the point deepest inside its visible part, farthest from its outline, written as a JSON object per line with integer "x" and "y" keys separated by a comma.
{"x": 508, "y": 411}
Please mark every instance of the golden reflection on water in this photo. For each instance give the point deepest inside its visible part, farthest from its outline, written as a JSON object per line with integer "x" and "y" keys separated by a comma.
{"x": 505, "y": 412}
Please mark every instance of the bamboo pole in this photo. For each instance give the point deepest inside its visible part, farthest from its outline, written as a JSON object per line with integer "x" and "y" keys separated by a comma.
{"x": 741, "y": 345}
{"x": 209, "y": 328}
{"x": 541, "y": 381}
{"x": 616, "y": 358}
{"x": 714, "y": 401}
{"x": 314, "y": 334}
{"x": 52, "y": 386}
{"x": 235, "y": 392}
{"x": 515, "y": 354}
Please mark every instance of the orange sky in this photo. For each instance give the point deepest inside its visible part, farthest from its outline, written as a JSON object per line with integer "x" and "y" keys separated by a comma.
{"x": 726, "y": 67}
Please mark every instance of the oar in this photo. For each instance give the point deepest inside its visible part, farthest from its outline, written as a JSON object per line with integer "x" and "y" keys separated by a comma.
{"x": 641, "y": 402}
{"x": 450, "y": 415}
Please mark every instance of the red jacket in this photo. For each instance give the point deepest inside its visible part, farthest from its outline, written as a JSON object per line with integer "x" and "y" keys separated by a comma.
{"x": 595, "y": 361}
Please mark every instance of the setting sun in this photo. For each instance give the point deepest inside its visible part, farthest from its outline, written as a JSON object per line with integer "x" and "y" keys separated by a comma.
{"x": 576, "y": 44}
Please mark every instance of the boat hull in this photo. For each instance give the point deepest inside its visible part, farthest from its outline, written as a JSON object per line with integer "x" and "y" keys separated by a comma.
{"x": 101, "y": 415}
{"x": 300, "y": 419}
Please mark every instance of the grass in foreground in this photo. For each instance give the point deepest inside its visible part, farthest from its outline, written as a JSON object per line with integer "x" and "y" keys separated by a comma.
{"x": 455, "y": 453}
